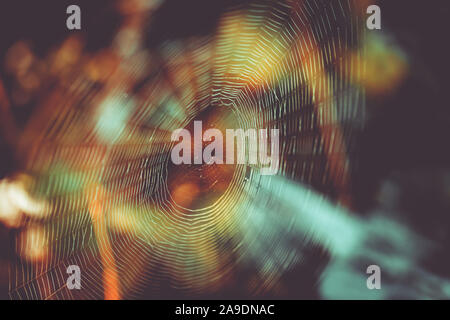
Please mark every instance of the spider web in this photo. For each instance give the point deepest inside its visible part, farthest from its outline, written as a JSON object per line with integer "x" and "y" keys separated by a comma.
{"x": 102, "y": 152}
